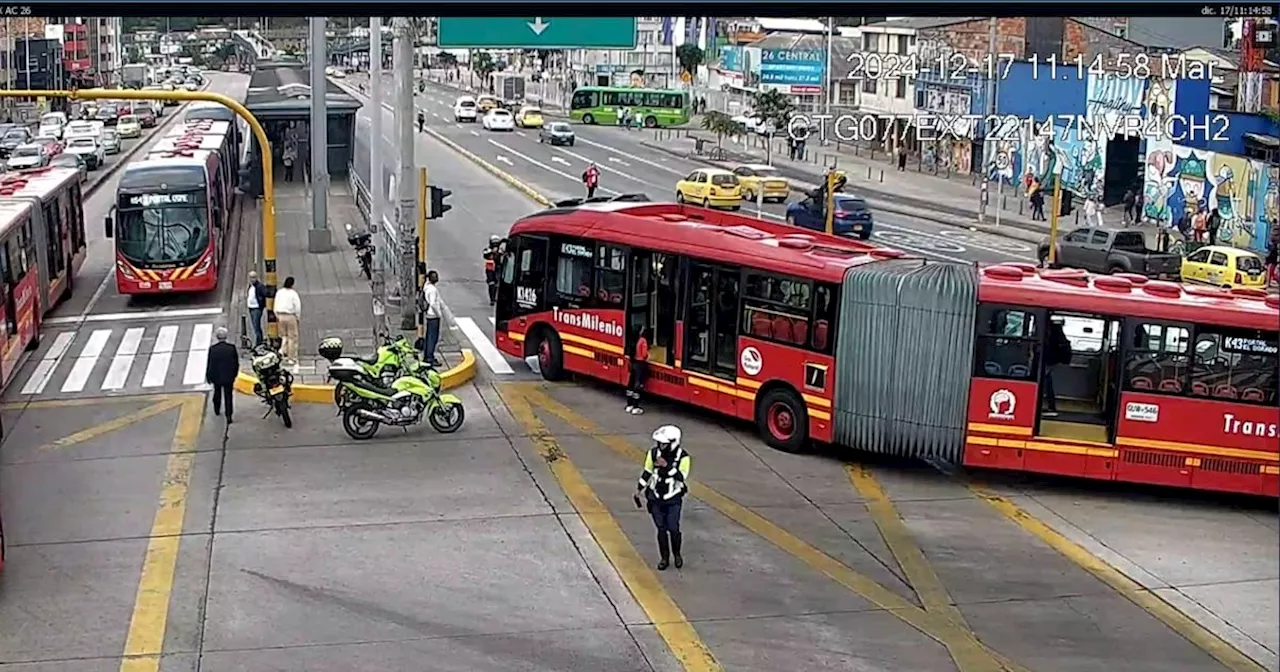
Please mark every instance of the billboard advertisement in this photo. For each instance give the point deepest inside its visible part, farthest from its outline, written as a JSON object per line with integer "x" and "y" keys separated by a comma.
{"x": 793, "y": 67}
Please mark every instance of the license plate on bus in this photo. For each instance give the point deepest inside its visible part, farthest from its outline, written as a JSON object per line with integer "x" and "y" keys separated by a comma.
{"x": 278, "y": 389}
{"x": 166, "y": 285}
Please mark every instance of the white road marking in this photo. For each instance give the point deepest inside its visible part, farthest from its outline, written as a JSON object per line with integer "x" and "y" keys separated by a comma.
{"x": 544, "y": 166}
{"x": 612, "y": 170}
{"x": 521, "y": 134}
{"x": 137, "y": 315}
{"x": 505, "y": 160}
{"x": 556, "y": 159}
{"x": 158, "y": 365}
{"x": 614, "y": 159}
{"x": 493, "y": 321}
{"x": 44, "y": 370}
{"x": 198, "y": 354}
{"x": 487, "y": 351}
{"x": 88, "y": 358}
{"x": 122, "y": 362}
{"x": 475, "y": 133}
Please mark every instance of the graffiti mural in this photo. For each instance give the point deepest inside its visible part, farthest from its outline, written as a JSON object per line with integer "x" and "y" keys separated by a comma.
{"x": 1006, "y": 161}
{"x": 961, "y": 155}
{"x": 1159, "y": 99}
{"x": 1079, "y": 158}
{"x": 1109, "y": 97}
{"x": 1181, "y": 182}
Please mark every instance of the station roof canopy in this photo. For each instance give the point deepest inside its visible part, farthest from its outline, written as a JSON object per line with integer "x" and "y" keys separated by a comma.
{"x": 282, "y": 89}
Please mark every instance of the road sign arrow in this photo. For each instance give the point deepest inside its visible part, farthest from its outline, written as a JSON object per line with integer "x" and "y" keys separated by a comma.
{"x": 614, "y": 159}
{"x": 505, "y": 160}
{"x": 538, "y": 25}
{"x": 559, "y": 161}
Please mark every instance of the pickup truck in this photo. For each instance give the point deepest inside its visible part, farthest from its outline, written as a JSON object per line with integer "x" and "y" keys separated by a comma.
{"x": 1106, "y": 250}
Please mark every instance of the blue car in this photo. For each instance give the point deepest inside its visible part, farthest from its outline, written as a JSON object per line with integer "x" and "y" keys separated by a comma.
{"x": 853, "y": 217}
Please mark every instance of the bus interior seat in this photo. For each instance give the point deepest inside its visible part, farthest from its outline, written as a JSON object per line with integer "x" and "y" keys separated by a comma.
{"x": 761, "y": 326}
{"x": 800, "y": 331}
{"x": 1020, "y": 371}
{"x": 1140, "y": 383}
{"x": 1171, "y": 385}
{"x": 1226, "y": 392}
{"x": 782, "y": 329}
{"x": 1199, "y": 389}
{"x": 1252, "y": 394}
{"x": 992, "y": 368}
{"x": 615, "y": 298}
{"x": 820, "y": 334}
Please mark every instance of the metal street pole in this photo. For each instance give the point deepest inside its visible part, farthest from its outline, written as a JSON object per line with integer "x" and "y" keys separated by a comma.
{"x": 831, "y": 27}
{"x": 377, "y": 188}
{"x": 406, "y": 180}
{"x": 991, "y": 108}
{"x": 319, "y": 238}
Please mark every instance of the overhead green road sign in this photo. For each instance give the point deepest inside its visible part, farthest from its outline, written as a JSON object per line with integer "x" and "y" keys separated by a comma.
{"x": 537, "y": 32}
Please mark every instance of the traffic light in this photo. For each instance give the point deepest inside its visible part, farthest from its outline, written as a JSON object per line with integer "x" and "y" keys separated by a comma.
{"x": 435, "y": 198}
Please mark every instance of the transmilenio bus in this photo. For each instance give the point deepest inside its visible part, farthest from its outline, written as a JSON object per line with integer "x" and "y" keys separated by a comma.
{"x": 171, "y": 214}
{"x": 820, "y": 337}
{"x": 653, "y": 107}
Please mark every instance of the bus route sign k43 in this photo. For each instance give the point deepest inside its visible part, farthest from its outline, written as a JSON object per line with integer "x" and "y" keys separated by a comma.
{"x": 536, "y": 32}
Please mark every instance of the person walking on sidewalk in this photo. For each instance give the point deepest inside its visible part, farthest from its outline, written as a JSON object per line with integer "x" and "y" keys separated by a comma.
{"x": 221, "y": 369}
{"x": 432, "y": 310}
{"x": 256, "y": 302}
{"x": 663, "y": 482}
{"x": 902, "y": 160}
{"x": 1037, "y": 202}
{"x": 288, "y": 311}
{"x": 591, "y": 178}
{"x": 422, "y": 121}
{"x": 1130, "y": 201}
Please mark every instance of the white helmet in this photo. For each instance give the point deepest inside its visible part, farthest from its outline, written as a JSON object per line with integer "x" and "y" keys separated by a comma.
{"x": 667, "y": 435}
{"x": 494, "y": 239}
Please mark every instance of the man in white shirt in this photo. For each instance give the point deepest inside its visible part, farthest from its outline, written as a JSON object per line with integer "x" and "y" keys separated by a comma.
{"x": 288, "y": 309}
{"x": 433, "y": 310}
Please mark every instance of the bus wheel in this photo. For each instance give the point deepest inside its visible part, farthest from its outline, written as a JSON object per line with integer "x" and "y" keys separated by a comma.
{"x": 650, "y": 122}
{"x": 783, "y": 421}
{"x": 588, "y": 119}
{"x": 550, "y": 354}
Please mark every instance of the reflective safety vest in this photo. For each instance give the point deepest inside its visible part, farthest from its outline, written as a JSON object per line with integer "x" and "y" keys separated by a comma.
{"x": 490, "y": 260}
{"x": 665, "y": 483}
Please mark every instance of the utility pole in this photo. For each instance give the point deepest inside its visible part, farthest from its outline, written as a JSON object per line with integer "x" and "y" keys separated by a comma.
{"x": 318, "y": 237}
{"x": 987, "y": 158}
{"x": 377, "y": 188}
{"x": 406, "y": 179}
{"x": 830, "y": 81}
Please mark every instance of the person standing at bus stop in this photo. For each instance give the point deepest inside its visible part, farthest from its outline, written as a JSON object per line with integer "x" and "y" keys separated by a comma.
{"x": 256, "y": 302}
{"x": 288, "y": 310}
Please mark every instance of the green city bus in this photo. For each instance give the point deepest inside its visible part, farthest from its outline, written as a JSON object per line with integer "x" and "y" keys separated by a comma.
{"x": 655, "y": 107}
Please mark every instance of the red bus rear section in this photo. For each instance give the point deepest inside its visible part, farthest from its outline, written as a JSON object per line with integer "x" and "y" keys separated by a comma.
{"x": 816, "y": 337}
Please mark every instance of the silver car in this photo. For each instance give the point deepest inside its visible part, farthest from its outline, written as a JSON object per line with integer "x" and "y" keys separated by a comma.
{"x": 110, "y": 141}
{"x": 30, "y": 155}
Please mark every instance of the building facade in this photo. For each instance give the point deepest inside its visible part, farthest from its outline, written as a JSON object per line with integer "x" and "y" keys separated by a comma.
{"x": 652, "y": 63}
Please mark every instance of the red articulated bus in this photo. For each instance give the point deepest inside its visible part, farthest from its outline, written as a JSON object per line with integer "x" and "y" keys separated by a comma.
{"x": 171, "y": 214}
{"x": 820, "y": 337}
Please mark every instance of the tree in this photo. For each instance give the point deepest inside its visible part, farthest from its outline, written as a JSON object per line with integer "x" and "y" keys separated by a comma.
{"x": 690, "y": 56}
{"x": 482, "y": 64}
{"x": 775, "y": 107}
{"x": 721, "y": 125}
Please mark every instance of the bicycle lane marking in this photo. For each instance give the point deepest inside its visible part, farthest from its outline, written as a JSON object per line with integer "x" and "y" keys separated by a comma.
{"x": 968, "y": 653}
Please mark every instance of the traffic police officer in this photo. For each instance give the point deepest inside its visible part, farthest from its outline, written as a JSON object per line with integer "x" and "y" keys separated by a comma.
{"x": 491, "y": 256}
{"x": 664, "y": 482}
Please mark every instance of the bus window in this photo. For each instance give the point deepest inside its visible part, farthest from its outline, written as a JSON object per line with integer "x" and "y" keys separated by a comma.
{"x": 824, "y": 318}
{"x": 10, "y": 280}
{"x": 1007, "y": 343}
{"x": 1235, "y": 364}
{"x": 584, "y": 99}
{"x": 77, "y": 218}
{"x": 777, "y": 309}
{"x": 573, "y": 273}
{"x": 1157, "y": 357}
{"x": 53, "y": 230}
{"x": 611, "y": 275}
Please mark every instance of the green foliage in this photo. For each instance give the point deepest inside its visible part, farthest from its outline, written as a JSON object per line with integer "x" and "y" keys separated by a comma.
{"x": 775, "y": 106}
{"x": 482, "y": 64}
{"x": 722, "y": 125}
{"x": 690, "y": 56}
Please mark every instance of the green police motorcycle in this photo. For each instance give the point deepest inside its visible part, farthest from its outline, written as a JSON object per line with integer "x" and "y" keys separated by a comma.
{"x": 393, "y": 359}
{"x": 403, "y": 403}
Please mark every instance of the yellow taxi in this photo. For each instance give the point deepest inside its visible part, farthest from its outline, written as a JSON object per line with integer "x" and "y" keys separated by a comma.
{"x": 486, "y": 103}
{"x": 529, "y": 117}
{"x": 764, "y": 180}
{"x": 1224, "y": 266}
{"x": 710, "y": 188}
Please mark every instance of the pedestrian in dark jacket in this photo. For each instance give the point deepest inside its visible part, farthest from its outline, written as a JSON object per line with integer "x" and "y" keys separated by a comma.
{"x": 221, "y": 370}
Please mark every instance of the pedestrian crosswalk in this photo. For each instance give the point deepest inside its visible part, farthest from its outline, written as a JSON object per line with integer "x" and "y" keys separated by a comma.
{"x": 157, "y": 357}
{"x": 106, "y": 360}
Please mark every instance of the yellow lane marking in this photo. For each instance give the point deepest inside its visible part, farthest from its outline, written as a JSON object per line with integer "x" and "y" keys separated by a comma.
{"x": 662, "y": 610}
{"x": 1148, "y": 601}
{"x": 145, "y": 641}
{"x": 84, "y": 401}
{"x": 969, "y": 654}
{"x": 112, "y": 425}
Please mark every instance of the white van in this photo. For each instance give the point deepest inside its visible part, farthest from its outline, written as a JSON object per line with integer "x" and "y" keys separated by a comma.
{"x": 52, "y": 124}
{"x": 83, "y": 129}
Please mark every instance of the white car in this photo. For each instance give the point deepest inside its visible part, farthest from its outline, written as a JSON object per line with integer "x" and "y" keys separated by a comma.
{"x": 80, "y": 129}
{"x": 499, "y": 120}
{"x": 129, "y": 127}
{"x": 50, "y": 130}
{"x": 30, "y": 155}
{"x": 464, "y": 109}
{"x": 110, "y": 142}
{"x": 89, "y": 150}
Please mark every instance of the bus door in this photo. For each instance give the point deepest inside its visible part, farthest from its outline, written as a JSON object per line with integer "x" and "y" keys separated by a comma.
{"x": 711, "y": 334}
{"x": 1082, "y": 356}
{"x": 522, "y": 285}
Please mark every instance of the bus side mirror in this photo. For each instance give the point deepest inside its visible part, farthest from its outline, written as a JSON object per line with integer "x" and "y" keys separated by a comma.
{"x": 108, "y": 226}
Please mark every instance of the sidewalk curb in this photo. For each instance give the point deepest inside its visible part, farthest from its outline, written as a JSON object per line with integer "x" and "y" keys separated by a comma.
{"x": 323, "y": 394}
{"x": 1021, "y": 234}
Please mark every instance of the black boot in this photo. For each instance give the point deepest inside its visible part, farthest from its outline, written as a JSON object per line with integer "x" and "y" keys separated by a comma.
{"x": 676, "y": 540}
{"x": 664, "y": 550}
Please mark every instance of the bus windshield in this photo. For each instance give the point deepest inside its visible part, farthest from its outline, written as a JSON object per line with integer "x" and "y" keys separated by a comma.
{"x": 166, "y": 229}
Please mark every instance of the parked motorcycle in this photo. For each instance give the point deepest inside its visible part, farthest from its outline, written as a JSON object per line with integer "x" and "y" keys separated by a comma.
{"x": 404, "y": 403}
{"x": 396, "y": 357}
{"x": 363, "y": 243}
{"x": 275, "y": 383}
